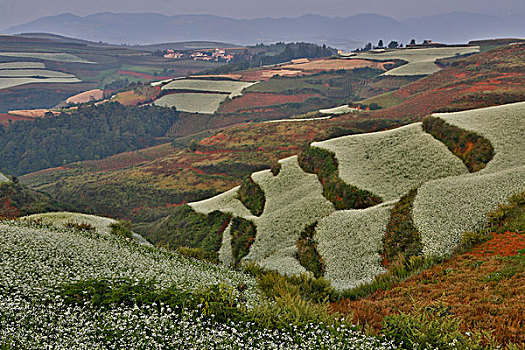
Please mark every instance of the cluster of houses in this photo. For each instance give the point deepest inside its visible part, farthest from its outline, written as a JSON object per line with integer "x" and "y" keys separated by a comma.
{"x": 218, "y": 55}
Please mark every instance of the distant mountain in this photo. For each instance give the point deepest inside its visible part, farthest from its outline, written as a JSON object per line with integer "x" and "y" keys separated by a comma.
{"x": 148, "y": 28}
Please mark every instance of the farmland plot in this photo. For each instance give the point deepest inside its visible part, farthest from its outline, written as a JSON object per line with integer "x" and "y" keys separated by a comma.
{"x": 233, "y": 88}
{"x": 446, "y": 208}
{"x": 390, "y": 163}
{"x": 420, "y": 61}
{"x": 293, "y": 200}
{"x": 349, "y": 241}
{"x": 21, "y": 73}
{"x": 206, "y": 103}
{"x": 22, "y": 65}
{"x": 59, "y": 57}
{"x": 6, "y": 83}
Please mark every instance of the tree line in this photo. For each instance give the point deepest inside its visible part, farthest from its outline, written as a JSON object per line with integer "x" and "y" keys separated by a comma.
{"x": 91, "y": 132}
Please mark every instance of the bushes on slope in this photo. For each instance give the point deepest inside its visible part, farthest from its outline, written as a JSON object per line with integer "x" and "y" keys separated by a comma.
{"x": 307, "y": 253}
{"x": 243, "y": 234}
{"x": 252, "y": 196}
{"x": 401, "y": 236}
{"x": 474, "y": 150}
{"x": 344, "y": 196}
{"x": 187, "y": 228}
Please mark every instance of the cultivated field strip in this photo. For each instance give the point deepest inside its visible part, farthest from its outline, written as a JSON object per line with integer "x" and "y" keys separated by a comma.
{"x": 420, "y": 61}
{"x": 207, "y": 103}
{"x": 446, "y": 208}
{"x": 390, "y": 163}
{"x": 233, "y": 88}
{"x": 349, "y": 241}
{"x": 6, "y": 83}
{"x": 47, "y": 56}
{"x": 21, "y": 73}
{"x": 503, "y": 126}
{"x": 22, "y": 65}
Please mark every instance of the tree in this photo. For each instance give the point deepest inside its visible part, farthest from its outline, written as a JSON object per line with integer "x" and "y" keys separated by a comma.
{"x": 368, "y": 47}
{"x": 380, "y": 44}
{"x": 413, "y": 42}
{"x": 393, "y": 45}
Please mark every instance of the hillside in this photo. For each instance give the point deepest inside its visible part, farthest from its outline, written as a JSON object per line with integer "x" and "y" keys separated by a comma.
{"x": 386, "y": 164}
{"x": 169, "y": 175}
{"x": 18, "y": 200}
{"x": 104, "y": 290}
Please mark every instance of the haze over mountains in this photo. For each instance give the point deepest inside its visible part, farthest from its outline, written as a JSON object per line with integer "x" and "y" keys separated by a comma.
{"x": 346, "y": 33}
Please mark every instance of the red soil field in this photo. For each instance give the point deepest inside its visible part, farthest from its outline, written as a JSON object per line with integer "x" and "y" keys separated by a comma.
{"x": 256, "y": 99}
{"x": 4, "y": 118}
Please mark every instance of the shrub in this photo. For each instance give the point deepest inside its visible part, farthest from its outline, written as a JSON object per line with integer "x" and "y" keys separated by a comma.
{"x": 401, "y": 235}
{"x": 252, "y": 196}
{"x": 243, "y": 234}
{"x": 474, "y": 150}
{"x": 80, "y": 226}
{"x": 122, "y": 229}
{"x": 323, "y": 163}
{"x": 431, "y": 327}
{"x": 307, "y": 253}
{"x": 199, "y": 254}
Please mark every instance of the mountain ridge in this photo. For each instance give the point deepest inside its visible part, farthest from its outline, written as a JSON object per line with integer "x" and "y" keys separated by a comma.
{"x": 151, "y": 28}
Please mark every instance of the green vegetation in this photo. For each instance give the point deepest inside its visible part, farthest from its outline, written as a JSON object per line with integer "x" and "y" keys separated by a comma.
{"x": 474, "y": 150}
{"x": 324, "y": 164}
{"x": 18, "y": 200}
{"x": 307, "y": 253}
{"x": 401, "y": 235}
{"x": 91, "y": 132}
{"x": 252, "y": 196}
{"x": 431, "y": 327}
{"x": 122, "y": 229}
{"x": 243, "y": 234}
{"x": 187, "y": 228}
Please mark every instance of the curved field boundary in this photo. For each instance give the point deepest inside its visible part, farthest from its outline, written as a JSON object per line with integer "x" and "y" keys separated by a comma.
{"x": 390, "y": 163}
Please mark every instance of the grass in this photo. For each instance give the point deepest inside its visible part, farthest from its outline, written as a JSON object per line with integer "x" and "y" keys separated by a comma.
{"x": 243, "y": 234}
{"x": 307, "y": 253}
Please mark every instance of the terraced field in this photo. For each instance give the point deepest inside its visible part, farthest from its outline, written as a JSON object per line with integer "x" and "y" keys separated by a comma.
{"x": 206, "y": 103}
{"x": 387, "y": 164}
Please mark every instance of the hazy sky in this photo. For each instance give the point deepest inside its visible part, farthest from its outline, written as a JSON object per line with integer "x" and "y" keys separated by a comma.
{"x": 20, "y": 11}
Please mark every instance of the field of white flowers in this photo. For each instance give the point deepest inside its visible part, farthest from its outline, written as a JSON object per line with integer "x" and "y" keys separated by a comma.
{"x": 390, "y": 163}
{"x": 6, "y": 83}
{"x": 4, "y": 178}
{"x": 59, "y": 57}
{"x": 420, "y": 61}
{"x": 233, "y": 88}
{"x": 190, "y": 102}
{"x": 21, "y": 73}
{"x": 22, "y": 65}
{"x": 349, "y": 241}
{"x": 38, "y": 258}
{"x": 446, "y": 208}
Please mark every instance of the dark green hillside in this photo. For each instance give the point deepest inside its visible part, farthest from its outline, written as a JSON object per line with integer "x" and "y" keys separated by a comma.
{"x": 91, "y": 132}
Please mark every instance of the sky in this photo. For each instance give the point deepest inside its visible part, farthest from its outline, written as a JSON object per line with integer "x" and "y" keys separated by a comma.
{"x": 14, "y": 12}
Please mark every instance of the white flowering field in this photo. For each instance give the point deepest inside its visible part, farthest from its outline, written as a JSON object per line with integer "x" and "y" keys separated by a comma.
{"x": 420, "y": 61}
{"x": 4, "y": 178}
{"x": 503, "y": 126}
{"x": 37, "y": 259}
{"x": 338, "y": 110}
{"x": 349, "y": 241}
{"x": 6, "y": 83}
{"x": 21, "y": 73}
{"x": 190, "y": 102}
{"x": 446, "y": 208}
{"x": 390, "y": 163}
{"x": 22, "y": 65}
{"x": 225, "y": 202}
{"x": 233, "y": 88}
{"x": 59, "y": 57}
